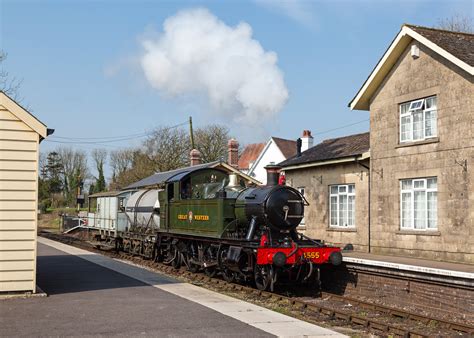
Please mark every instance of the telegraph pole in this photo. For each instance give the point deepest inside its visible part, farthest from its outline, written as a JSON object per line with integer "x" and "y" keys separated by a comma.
{"x": 191, "y": 135}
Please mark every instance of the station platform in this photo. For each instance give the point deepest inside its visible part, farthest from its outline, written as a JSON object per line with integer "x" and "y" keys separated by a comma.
{"x": 416, "y": 265}
{"x": 93, "y": 295}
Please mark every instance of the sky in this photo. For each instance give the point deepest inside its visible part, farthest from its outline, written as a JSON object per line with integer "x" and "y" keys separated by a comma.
{"x": 99, "y": 69}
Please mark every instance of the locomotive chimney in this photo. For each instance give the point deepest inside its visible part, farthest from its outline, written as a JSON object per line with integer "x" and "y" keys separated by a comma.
{"x": 273, "y": 174}
{"x": 298, "y": 147}
{"x": 233, "y": 148}
{"x": 306, "y": 140}
{"x": 195, "y": 157}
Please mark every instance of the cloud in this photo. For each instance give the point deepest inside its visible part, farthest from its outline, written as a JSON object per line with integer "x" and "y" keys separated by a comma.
{"x": 198, "y": 54}
{"x": 297, "y": 10}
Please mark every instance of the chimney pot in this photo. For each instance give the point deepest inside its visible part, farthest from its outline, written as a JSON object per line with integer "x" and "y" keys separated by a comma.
{"x": 306, "y": 140}
{"x": 273, "y": 174}
{"x": 195, "y": 156}
{"x": 233, "y": 149}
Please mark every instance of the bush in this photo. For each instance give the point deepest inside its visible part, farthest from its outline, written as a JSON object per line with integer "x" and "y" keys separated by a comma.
{"x": 44, "y": 205}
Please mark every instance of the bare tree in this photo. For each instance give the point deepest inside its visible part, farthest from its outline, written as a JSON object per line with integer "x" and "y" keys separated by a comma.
{"x": 121, "y": 160}
{"x": 167, "y": 149}
{"x": 8, "y": 84}
{"x": 211, "y": 141}
{"x": 457, "y": 23}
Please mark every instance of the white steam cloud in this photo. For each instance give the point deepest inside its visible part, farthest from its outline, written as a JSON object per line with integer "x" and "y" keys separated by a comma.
{"x": 199, "y": 54}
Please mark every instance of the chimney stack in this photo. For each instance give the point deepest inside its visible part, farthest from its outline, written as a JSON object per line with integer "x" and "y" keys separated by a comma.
{"x": 273, "y": 174}
{"x": 233, "y": 158}
{"x": 195, "y": 157}
{"x": 306, "y": 140}
{"x": 298, "y": 147}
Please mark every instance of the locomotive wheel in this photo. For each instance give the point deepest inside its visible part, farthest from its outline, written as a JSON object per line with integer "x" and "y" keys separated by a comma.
{"x": 228, "y": 275}
{"x": 173, "y": 257}
{"x": 209, "y": 257}
{"x": 210, "y": 272}
{"x": 263, "y": 275}
{"x": 191, "y": 266}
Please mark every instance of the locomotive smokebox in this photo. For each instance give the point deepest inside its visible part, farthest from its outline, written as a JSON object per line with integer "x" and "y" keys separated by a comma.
{"x": 273, "y": 174}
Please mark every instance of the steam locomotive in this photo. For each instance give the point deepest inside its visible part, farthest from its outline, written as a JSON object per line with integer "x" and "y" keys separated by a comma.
{"x": 209, "y": 221}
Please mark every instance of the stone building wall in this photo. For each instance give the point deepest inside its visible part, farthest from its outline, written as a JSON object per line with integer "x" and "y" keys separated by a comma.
{"x": 443, "y": 157}
{"x": 316, "y": 181}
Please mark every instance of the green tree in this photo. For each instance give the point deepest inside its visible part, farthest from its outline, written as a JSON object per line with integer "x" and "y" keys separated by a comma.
{"x": 54, "y": 171}
{"x": 99, "y": 156}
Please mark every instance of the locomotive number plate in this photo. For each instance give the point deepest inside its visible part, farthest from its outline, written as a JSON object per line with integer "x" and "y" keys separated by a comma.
{"x": 311, "y": 254}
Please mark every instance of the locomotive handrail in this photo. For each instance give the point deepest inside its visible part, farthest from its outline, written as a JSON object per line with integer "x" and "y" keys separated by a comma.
{"x": 312, "y": 240}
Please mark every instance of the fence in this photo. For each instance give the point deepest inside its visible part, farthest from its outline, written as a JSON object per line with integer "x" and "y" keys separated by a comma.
{"x": 69, "y": 222}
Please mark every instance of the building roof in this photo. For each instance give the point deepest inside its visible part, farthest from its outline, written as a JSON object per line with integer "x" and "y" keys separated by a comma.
{"x": 461, "y": 45}
{"x": 250, "y": 154}
{"x": 331, "y": 149}
{"x": 456, "y": 47}
{"x": 112, "y": 193}
{"x": 287, "y": 147}
{"x": 162, "y": 177}
{"x": 21, "y": 113}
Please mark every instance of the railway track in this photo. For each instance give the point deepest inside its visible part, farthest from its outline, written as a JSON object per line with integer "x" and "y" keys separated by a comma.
{"x": 329, "y": 308}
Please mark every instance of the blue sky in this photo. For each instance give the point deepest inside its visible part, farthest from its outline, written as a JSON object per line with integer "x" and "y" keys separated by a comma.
{"x": 79, "y": 61}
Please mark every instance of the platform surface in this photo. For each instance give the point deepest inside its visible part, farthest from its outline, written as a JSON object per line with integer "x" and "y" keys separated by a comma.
{"x": 93, "y": 295}
{"x": 411, "y": 264}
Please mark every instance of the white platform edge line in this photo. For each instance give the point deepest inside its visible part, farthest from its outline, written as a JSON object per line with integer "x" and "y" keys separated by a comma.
{"x": 434, "y": 271}
{"x": 197, "y": 294}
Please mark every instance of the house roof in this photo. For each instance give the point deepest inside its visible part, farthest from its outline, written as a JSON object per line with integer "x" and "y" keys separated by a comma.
{"x": 250, "y": 154}
{"x": 456, "y": 47}
{"x": 461, "y": 45}
{"x": 25, "y": 116}
{"x": 162, "y": 177}
{"x": 287, "y": 147}
{"x": 331, "y": 149}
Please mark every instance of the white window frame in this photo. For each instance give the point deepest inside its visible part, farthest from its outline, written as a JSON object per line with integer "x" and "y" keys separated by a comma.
{"x": 417, "y": 106}
{"x": 302, "y": 192}
{"x": 340, "y": 193}
{"x": 411, "y": 191}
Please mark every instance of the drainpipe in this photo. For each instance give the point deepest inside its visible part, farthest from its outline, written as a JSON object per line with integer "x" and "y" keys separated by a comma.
{"x": 369, "y": 198}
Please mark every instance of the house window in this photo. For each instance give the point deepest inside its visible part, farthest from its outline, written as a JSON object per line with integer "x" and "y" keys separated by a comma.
{"x": 418, "y": 120}
{"x": 301, "y": 190}
{"x": 342, "y": 205}
{"x": 418, "y": 204}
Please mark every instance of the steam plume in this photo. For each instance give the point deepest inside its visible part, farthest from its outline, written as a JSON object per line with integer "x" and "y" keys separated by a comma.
{"x": 199, "y": 54}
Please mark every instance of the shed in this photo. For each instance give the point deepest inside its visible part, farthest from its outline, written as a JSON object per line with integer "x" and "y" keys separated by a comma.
{"x": 20, "y": 135}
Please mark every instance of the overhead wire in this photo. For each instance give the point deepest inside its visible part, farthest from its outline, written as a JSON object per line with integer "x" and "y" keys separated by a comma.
{"x": 105, "y": 140}
{"x": 342, "y": 127}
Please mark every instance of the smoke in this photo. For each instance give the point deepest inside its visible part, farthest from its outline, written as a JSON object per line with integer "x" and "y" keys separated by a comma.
{"x": 199, "y": 54}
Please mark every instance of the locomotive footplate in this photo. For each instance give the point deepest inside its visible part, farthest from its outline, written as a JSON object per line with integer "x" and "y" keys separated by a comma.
{"x": 298, "y": 255}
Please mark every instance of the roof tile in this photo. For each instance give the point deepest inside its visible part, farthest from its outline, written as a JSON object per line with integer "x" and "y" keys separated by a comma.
{"x": 330, "y": 149}
{"x": 461, "y": 45}
{"x": 250, "y": 154}
{"x": 287, "y": 147}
